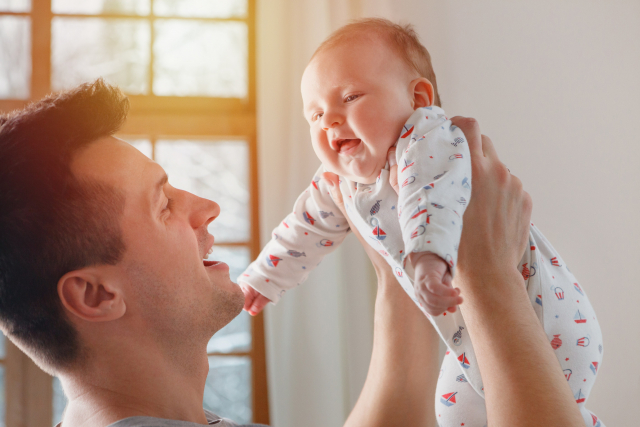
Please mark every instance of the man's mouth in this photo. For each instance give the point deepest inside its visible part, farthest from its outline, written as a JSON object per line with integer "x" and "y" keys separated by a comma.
{"x": 347, "y": 146}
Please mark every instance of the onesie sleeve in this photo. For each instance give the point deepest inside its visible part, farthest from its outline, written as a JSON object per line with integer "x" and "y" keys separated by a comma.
{"x": 434, "y": 176}
{"x": 314, "y": 229}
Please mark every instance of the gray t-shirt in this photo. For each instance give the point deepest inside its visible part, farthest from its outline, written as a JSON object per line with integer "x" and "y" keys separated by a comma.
{"x": 213, "y": 419}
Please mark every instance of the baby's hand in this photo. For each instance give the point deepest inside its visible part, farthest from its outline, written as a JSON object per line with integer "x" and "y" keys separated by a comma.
{"x": 254, "y": 301}
{"x": 433, "y": 284}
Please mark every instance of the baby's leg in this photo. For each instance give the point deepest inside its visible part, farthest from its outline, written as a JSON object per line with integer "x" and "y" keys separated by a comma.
{"x": 457, "y": 403}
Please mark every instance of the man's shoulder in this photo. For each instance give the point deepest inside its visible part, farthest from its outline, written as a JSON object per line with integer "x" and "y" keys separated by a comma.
{"x": 213, "y": 419}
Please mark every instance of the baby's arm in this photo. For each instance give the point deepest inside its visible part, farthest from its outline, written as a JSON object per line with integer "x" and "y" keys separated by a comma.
{"x": 314, "y": 229}
{"x": 434, "y": 174}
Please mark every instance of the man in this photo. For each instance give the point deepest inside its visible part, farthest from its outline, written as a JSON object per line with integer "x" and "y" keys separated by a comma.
{"x": 103, "y": 283}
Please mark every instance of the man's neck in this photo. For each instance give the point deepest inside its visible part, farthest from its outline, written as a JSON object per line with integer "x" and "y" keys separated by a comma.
{"x": 111, "y": 387}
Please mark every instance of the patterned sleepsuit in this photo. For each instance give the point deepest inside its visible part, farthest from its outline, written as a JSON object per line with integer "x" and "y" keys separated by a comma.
{"x": 434, "y": 176}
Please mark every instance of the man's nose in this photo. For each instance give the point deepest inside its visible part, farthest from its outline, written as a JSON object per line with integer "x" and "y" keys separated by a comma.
{"x": 203, "y": 211}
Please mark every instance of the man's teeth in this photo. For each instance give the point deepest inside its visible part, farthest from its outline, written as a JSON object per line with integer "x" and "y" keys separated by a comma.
{"x": 209, "y": 252}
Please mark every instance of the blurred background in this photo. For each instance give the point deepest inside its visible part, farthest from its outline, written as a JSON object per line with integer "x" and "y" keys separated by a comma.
{"x": 214, "y": 87}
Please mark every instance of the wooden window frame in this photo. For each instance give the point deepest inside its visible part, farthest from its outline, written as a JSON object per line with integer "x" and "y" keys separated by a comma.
{"x": 30, "y": 401}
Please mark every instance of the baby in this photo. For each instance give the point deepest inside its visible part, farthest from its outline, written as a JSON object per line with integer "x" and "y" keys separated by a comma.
{"x": 368, "y": 87}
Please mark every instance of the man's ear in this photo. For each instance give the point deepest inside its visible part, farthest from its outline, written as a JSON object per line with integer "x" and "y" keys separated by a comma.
{"x": 88, "y": 296}
{"x": 422, "y": 92}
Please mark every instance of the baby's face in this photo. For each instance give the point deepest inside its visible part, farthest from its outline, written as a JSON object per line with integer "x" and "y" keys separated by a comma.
{"x": 356, "y": 98}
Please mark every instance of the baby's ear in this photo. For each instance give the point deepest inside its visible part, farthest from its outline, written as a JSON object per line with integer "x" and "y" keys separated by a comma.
{"x": 422, "y": 92}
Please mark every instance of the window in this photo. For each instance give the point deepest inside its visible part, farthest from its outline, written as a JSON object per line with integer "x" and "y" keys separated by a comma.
{"x": 188, "y": 67}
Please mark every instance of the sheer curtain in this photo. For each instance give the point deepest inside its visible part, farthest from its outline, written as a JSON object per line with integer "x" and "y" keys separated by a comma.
{"x": 319, "y": 336}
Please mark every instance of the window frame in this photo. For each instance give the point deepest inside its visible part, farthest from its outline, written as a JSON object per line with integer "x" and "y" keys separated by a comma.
{"x": 155, "y": 117}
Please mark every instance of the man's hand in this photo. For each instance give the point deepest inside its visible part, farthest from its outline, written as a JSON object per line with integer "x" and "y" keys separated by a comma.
{"x": 254, "y": 301}
{"x": 432, "y": 284}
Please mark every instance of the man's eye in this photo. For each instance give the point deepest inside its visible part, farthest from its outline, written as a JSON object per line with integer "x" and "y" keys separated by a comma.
{"x": 350, "y": 98}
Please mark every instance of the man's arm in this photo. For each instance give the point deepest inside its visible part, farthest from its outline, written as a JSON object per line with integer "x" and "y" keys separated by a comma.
{"x": 401, "y": 382}
{"x": 524, "y": 384}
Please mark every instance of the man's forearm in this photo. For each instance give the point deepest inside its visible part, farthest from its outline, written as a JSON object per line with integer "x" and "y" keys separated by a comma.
{"x": 400, "y": 384}
{"x": 524, "y": 384}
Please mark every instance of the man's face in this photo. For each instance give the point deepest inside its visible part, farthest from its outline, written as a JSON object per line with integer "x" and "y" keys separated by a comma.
{"x": 356, "y": 98}
{"x": 168, "y": 289}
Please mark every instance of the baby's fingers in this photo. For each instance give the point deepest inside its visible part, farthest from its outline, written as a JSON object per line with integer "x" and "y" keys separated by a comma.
{"x": 259, "y": 303}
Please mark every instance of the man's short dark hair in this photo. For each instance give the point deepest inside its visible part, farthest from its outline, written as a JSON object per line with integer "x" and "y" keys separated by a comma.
{"x": 51, "y": 222}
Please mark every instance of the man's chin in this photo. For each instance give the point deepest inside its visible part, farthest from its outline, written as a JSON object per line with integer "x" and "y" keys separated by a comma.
{"x": 227, "y": 302}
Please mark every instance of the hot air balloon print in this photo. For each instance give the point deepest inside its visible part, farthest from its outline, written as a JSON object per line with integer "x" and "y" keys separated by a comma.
{"x": 583, "y": 342}
{"x": 559, "y": 293}
{"x": 325, "y": 243}
{"x": 418, "y": 211}
{"x": 579, "y": 396}
{"x": 578, "y": 288}
{"x": 539, "y": 299}
{"x": 378, "y": 233}
{"x": 457, "y": 337}
{"x": 448, "y": 399}
{"x": 556, "y": 342}
{"x": 567, "y": 373}
{"x": 308, "y": 218}
{"x": 273, "y": 260}
{"x": 398, "y": 271}
{"x": 408, "y": 181}
{"x": 579, "y": 318}
{"x": 464, "y": 361}
{"x": 455, "y": 156}
{"x": 419, "y": 231}
{"x": 594, "y": 367}
{"x": 407, "y": 165}
{"x": 406, "y": 131}
{"x": 525, "y": 271}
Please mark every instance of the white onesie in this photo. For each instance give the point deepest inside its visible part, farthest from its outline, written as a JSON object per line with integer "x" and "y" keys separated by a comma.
{"x": 434, "y": 176}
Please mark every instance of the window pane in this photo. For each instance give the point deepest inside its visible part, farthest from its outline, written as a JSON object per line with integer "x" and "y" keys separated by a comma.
{"x": 15, "y": 5}
{"x": 197, "y": 58}
{"x": 96, "y": 7}
{"x": 3, "y": 349}
{"x": 201, "y": 8}
{"x": 59, "y": 401}
{"x": 227, "y": 391}
{"x": 215, "y": 170}
{"x": 236, "y": 336}
{"x": 84, "y": 49}
{"x": 15, "y": 57}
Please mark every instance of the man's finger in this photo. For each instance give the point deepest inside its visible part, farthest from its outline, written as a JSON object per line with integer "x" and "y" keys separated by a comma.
{"x": 471, "y": 130}
{"x": 488, "y": 149}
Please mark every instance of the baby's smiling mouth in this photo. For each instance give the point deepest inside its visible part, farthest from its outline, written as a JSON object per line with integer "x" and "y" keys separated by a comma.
{"x": 346, "y": 146}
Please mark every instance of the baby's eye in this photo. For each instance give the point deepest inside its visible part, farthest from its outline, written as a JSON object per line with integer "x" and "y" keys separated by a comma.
{"x": 316, "y": 116}
{"x": 350, "y": 98}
